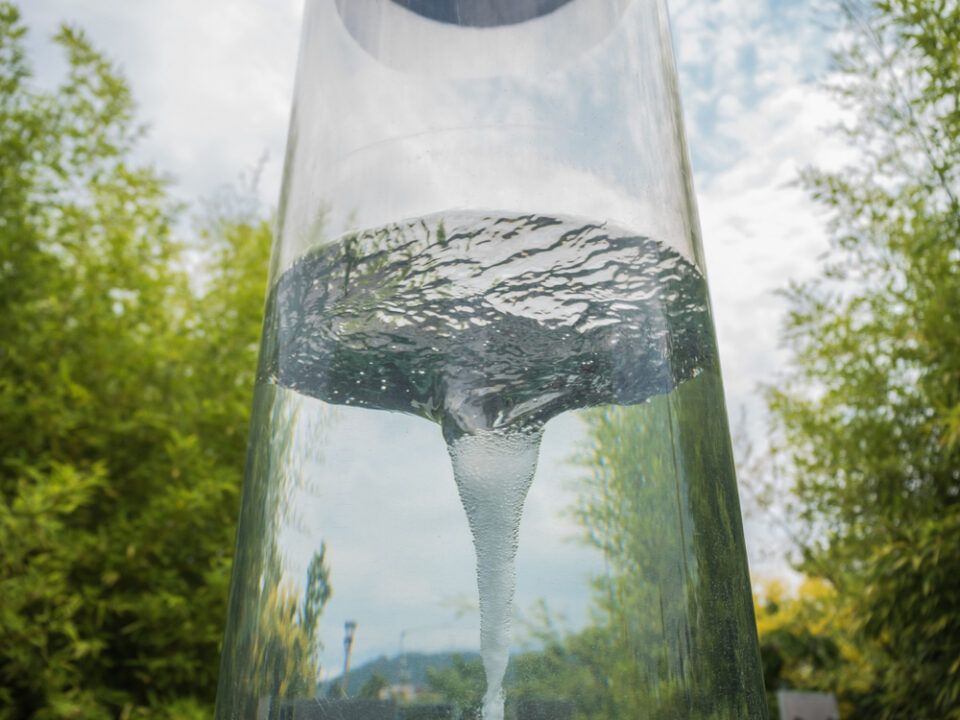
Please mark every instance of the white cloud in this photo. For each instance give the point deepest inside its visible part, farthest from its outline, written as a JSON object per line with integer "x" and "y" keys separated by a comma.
{"x": 213, "y": 79}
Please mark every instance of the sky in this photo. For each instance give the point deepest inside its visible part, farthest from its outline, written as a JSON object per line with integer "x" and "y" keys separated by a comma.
{"x": 214, "y": 82}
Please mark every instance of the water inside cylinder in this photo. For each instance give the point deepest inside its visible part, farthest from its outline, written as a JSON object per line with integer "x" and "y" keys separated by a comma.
{"x": 489, "y": 324}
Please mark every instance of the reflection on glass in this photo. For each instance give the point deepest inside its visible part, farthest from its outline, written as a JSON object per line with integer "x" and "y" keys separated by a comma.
{"x": 481, "y": 14}
{"x": 488, "y": 432}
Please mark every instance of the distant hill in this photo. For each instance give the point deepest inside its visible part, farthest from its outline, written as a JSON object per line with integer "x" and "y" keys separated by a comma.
{"x": 390, "y": 668}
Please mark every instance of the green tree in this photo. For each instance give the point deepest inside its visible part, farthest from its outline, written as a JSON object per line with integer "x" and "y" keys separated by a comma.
{"x": 463, "y": 683}
{"x": 124, "y": 397}
{"x": 674, "y": 614}
{"x": 578, "y": 667}
{"x": 867, "y": 413}
{"x": 372, "y": 687}
{"x": 281, "y": 654}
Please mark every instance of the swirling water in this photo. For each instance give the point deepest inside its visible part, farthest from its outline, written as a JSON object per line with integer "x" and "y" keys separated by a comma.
{"x": 489, "y": 325}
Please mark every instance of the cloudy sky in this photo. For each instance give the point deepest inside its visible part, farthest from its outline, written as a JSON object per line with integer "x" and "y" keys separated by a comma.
{"x": 214, "y": 80}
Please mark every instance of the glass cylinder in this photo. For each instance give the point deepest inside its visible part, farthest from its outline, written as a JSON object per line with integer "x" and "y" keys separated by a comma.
{"x": 489, "y": 469}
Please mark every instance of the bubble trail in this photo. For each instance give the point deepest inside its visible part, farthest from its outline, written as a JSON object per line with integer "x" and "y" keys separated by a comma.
{"x": 493, "y": 470}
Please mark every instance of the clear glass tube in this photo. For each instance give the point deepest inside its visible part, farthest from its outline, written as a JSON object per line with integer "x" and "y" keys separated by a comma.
{"x": 489, "y": 451}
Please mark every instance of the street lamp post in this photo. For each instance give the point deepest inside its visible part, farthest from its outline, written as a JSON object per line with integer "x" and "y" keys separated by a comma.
{"x": 349, "y": 630}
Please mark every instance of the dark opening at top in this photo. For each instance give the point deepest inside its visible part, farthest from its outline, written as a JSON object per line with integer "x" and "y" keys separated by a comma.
{"x": 482, "y": 13}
